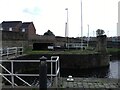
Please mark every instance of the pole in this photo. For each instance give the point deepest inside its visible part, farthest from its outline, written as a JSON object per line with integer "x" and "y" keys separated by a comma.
{"x": 66, "y": 29}
{"x": 12, "y": 71}
{"x": 81, "y": 28}
{"x": 43, "y": 73}
{"x": 88, "y": 37}
{"x": 93, "y": 33}
{"x": 67, "y": 36}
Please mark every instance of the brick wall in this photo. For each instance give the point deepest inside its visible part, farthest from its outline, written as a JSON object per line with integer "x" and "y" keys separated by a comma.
{"x": 31, "y": 31}
{"x": 8, "y": 35}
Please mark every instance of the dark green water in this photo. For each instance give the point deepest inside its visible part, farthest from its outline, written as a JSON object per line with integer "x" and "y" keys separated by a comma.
{"x": 112, "y": 71}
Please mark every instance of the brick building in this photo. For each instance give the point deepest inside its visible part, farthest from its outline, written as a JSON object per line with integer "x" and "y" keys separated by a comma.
{"x": 19, "y": 26}
{"x": 11, "y": 25}
{"x": 28, "y": 28}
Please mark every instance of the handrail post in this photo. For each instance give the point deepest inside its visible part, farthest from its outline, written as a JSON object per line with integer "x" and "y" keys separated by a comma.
{"x": 56, "y": 66}
{"x": 16, "y": 51}
{"x": 7, "y": 52}
{"x": 51, "y": 70}
{"x": 43, "y": 74}
{"x": 12, "y": 71}
{"x": 58, "y": 72}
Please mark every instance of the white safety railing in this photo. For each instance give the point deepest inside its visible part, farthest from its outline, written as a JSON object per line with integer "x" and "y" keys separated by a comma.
{"x": 14, "y": 51}
{"x": 52, "y": 75}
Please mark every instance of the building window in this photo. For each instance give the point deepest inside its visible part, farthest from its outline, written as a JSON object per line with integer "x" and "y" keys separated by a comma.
{"x": 23, "y": 30}
{"x": 10, "y": 29}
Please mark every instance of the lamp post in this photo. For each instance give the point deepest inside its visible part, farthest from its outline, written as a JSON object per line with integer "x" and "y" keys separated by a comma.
{"x": 81, "y": 28}
{"x": 66, "y": 29}
{"x": 67, "y": 23}
{"x": 93, "y": 33}
{"x": 88, "y": 37}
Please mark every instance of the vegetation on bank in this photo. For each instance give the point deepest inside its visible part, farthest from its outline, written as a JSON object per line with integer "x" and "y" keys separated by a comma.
{"x": 62, "y": 52}
{"x": 113, "y": 50}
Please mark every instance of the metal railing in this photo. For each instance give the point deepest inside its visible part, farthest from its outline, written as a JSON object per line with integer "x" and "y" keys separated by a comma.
{"x": 11, "y": 51}
{"x": 53, "y": 75}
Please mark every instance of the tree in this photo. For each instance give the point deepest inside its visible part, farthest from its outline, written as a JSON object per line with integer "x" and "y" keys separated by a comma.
{"x": 100, "y": 32}
{"x": 49, "y": 33}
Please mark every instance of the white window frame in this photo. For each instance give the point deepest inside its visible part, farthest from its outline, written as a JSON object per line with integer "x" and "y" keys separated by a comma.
{"x": 10, "y": 29}
{"x": 23, "y": 30}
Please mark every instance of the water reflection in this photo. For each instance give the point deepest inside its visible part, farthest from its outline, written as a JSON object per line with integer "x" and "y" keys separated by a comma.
{"x": 99, "y": 72}
{"x": 111, "y": 71}
{"x": 114, "y": 69}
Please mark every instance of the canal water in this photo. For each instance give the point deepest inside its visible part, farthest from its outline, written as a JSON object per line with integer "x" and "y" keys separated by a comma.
{"x": 112, "y": 71}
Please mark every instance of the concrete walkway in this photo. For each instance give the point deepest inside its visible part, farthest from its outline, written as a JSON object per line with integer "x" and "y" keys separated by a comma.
{"x": 93, "y": 83}
{"x": 77, "y": 84}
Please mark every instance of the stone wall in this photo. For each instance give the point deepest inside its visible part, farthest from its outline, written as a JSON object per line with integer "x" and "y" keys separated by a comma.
{"x": 14, "y": 43}
{"x": 74, "y": 61}
{"x": 83, "y": 61}
{"x": 8, "y": 35}
{"x": 13, "y": 39}
{"x": 101, "y": 44}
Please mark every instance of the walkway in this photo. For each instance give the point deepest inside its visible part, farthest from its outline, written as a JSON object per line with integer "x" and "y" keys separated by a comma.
{"x": 86, "y": 83}
{"x": 78, "y": 83}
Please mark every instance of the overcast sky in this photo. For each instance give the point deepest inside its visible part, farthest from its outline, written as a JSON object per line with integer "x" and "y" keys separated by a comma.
{"x": 51, "y": 14}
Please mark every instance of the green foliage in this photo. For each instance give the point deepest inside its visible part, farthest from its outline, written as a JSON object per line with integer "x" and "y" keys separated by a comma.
{"x": 27, "y": 50}
{"x": 100, "y": 32}
{"x": 64, "y": 52}
{"x": 49, "y": 33}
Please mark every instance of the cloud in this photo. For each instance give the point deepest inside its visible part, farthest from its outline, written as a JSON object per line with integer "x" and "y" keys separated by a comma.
{"x": 33, "y": 11}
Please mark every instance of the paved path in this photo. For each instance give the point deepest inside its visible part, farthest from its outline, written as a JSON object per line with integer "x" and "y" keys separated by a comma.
{"x": 86, "y": 83}
{"x": 78, "y": 84}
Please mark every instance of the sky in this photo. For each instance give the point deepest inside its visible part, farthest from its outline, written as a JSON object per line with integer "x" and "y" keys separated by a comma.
{"x": 51, "y": 15}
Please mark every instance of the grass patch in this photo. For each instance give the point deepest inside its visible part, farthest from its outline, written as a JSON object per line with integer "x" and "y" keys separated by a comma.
{"x": 40, "y": 52}
{"x": 62, "y": 52}
{"x": 113, "y": 50}
{"x": 87, "y": 51}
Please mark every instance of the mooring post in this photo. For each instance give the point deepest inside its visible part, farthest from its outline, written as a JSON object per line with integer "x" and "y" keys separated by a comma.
{"x": 43, "y": 73}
